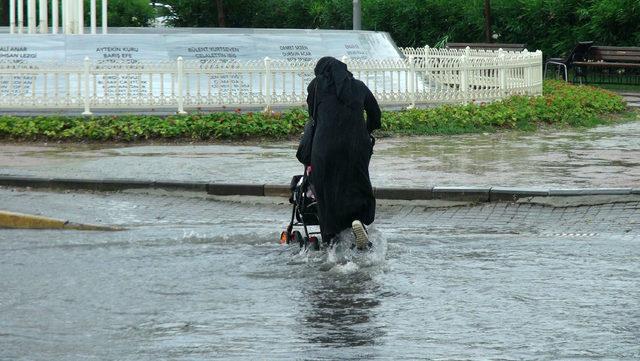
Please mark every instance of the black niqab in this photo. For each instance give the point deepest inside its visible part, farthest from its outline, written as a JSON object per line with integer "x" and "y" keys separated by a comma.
{"x": 330, "y": 71}
{"x": 342, "y": 146}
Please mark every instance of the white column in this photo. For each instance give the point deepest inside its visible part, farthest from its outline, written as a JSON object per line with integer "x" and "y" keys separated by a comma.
{"x": 54, "y": 16}
{"x": 72, "y": 13}
{"x": 74, "y": 16}
{"x": 12, "y": 16}
{"x": 44, "y": 17}
{"x": 20, "y": 16}
{"x": 93, "y": 16}
{"x": 65, "y": 16}
{"x": 104, "y": 16}
{"x": 31, "y": 14}
{"x": 80, "y": 16}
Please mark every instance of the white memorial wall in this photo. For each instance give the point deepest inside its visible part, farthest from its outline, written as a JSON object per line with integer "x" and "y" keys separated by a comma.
{"x": 134, "y": 51}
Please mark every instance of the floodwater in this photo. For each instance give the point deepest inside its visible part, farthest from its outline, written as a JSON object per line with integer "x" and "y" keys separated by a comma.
{"x": 602, "y": 157}
{"x": 155, "y": 293}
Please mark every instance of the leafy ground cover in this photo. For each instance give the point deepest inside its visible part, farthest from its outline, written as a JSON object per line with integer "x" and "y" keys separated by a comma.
{"x": 562, "y": 105}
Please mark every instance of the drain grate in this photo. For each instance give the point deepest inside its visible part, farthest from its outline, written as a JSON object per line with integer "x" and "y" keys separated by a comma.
{"x": 572, "y": 234}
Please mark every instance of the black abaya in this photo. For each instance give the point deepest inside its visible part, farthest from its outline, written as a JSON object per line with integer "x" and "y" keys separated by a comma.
{"x": 342, "y": 146}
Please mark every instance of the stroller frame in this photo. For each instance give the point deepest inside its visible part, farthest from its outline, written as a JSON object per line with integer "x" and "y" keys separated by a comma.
{"x": 304, "y": 214}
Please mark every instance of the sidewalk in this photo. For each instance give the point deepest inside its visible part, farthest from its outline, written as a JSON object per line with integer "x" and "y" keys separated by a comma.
{"x": 604, "y": 157}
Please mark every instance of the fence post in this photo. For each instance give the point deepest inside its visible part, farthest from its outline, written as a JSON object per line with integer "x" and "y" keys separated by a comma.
{"x": 538, "y": 73}
{"x": 87, "y": 95}
{"x": 464, "y": 77}
{"x": 267, "y": 84}
{"x": 179, "y": 86}
{"x": 527, "y": 72}
{"x": 412, "y": 82}
{"x": 502, "y": 73}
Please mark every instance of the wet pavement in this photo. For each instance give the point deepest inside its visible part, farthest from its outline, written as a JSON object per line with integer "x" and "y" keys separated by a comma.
{"x": 199, "y": 278}
{"x": 632, "y": 99}
{"x": 603, "y": 157}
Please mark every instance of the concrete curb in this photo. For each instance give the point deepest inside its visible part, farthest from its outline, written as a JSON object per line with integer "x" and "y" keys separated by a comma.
{"x": 465, "y": 194}
{"x": 30, "y": 221}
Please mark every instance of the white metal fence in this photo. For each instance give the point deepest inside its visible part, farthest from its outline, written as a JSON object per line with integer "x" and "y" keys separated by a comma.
{"x": 424, "y": 77}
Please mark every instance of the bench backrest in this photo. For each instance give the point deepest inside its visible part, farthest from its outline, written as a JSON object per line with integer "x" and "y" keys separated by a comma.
{"x": 620, "y": 54}
{"x": 580, "y": 51}
{"x": 487, "y": 46}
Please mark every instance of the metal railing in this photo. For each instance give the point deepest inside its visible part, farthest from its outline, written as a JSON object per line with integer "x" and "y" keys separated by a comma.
{"x": 424, "y": 77}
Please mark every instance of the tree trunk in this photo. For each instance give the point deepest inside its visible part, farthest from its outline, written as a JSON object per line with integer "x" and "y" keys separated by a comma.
{"x": 487, "y": 21}
{"x": 220, "y": 13}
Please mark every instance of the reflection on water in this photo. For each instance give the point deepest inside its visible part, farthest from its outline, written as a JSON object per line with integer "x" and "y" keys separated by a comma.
{"x": 340, "y": 310}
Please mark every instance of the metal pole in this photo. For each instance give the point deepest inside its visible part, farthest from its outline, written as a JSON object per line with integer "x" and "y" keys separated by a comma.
{"x": 357, "y": 15}
{"x": 12, "y": 16}
{"x": 487, "y": 22}
{"x": 44, "y": 17}
{"x": 93, "y": 16}
{"x": 104, "y": 16}
{"x": 54, "y": 17}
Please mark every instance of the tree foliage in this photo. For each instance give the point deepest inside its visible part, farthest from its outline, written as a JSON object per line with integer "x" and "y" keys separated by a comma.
{"x": 553, "y": 26}
{"x": 125, "y": 13}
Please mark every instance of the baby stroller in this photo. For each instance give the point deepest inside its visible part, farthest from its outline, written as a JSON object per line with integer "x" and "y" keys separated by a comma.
{"x": 304, "y": 213}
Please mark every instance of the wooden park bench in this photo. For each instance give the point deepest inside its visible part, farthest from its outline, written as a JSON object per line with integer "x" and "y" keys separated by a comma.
{"x": 610, "y": 64}
{"x": 487, "y": 46}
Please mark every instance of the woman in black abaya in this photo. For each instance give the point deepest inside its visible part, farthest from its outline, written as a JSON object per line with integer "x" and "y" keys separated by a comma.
{"x": 341, "y": 149}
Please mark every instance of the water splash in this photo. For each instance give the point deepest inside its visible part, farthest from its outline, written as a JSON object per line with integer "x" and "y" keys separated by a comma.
{"x": 343, "y": 257}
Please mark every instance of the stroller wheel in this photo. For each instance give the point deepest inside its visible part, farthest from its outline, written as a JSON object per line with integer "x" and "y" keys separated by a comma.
{"x": 296, "y": 236}
{"x": 314, "y": 245}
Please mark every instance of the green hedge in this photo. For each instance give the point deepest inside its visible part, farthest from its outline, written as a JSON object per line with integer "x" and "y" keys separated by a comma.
{"x": 562, "y": 104}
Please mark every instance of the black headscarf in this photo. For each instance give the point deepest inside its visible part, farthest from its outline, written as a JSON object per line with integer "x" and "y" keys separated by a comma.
{"x": 331, "y": 71}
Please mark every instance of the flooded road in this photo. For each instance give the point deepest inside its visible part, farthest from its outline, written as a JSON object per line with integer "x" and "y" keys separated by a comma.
{"x": 200, "y": 297}
{"x": 189, "y": 280}
{"x": 603, "y": 157}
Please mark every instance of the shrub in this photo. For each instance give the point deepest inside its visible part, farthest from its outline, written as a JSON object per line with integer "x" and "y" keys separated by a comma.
{"x": 562, "y": 105}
